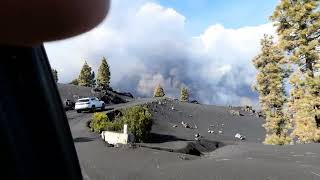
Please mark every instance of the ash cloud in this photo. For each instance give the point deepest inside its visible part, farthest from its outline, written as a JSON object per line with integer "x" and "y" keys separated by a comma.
{"x": 147, "y": 44}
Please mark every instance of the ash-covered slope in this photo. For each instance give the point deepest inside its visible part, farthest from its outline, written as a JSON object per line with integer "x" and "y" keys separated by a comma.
{"x": 168, "y": 116}
{"x": 168, "y": 154}
{"x": 72, "y": 92}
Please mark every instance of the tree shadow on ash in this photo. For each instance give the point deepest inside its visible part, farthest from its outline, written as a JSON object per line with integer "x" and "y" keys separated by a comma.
{"x": 162, "y": 138}
{"x": 191, "y": 147}
{"x": 82, "y": 139}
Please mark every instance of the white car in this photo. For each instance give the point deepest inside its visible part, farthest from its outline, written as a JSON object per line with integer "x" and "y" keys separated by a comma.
{"x": 91, "y": 104}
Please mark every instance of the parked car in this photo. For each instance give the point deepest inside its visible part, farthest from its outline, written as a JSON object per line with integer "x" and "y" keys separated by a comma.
{"x": 91, "y": 104}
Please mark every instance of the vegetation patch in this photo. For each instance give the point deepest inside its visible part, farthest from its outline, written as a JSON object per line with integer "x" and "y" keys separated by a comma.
{"x": 139, "y": 122}
{"x": 184, "y": 95}
{"x": 158, "y": 91}
{"x": 99, "y": 122}
{"x": 138, "y": 119}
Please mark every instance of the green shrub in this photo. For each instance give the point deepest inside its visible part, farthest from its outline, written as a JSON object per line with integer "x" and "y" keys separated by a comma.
{"x": 99, "y": 122}
{"x": 138, "y": 119}
{"x": 139, "y": 122}
{"x": 116, "y": 125}
{"x": 277, "y": 140}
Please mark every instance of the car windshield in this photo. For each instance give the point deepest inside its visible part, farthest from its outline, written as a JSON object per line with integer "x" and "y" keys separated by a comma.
{"x": 195, "y": 89}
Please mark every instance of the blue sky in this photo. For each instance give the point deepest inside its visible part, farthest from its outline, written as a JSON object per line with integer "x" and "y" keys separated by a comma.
{"x": 230, "y": 13}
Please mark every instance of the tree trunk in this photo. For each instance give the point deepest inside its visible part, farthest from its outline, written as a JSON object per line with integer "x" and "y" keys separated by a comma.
{"x": 309, "y": 68}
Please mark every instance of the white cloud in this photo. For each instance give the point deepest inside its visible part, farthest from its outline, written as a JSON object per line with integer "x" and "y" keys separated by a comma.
{"x": 147, "y": 44}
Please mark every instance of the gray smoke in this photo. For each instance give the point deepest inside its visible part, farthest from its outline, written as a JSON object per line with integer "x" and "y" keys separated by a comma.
{"x": 172, "y": 75}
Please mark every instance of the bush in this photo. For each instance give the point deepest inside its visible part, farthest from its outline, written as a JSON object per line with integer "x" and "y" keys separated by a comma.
{"x": 138, "y": 119}
{"x": 116, "y": 125}
{"x": 99, "y": 122}
{"x": 139, "y": 122}
{"x": 277, "y": 140}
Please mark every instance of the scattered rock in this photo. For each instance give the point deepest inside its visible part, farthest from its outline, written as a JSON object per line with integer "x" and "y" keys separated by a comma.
{"x": 190, "y": 115}
{"x": 172, "y": 108}
{"x": 260, "y": 114}
{"x": 235, "y": 113}
{"x": 194, "y": 102}
{"x": 239, "y": 136}
{"x": 175, "y": 126}
{"x": 159, "y": 103}
{"x": 197, "y": 139}
{"x": 247, "y": 108}
{"x": 108, "y": 145}
{"x": 183, "y": 157}
{"x": 195, "y": 126}
{"x": 117, "y": 145}
{"x": 186, "y": 125}
{"x": 197, "y": 135}
{"x": 210, "y": 131}
{"x": 220, "y": 132}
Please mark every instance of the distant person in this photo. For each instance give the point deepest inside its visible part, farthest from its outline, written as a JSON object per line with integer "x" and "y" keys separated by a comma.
{"x": 67, "y": 102}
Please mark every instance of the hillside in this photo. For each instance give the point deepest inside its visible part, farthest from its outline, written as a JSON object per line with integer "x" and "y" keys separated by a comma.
{"x": 173, "y": 152}
{"x": 72, "y": 92}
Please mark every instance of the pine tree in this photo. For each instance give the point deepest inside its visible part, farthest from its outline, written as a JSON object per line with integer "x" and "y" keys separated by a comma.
{"x": 298, "y": 27}
{"x": 270, "y": 86}
{"x": 85, "y": 77}
{"x": 184, "y": 95}
{"x": 103, "y": 78}
{"x": 93, "y": 79}
{"x": 55, "y": 75}
{"x": 158, "y": 91}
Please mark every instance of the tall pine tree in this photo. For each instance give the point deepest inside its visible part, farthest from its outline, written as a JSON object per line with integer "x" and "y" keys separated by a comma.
{"x": 184, "y": 95}
{"x": 103, "y": 78}
{"x": 85, "y": 76}
{"x": 158, "y": 91}
{"x": 298, "y": 27}
{"x": 270, "y": 86}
